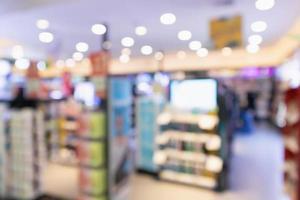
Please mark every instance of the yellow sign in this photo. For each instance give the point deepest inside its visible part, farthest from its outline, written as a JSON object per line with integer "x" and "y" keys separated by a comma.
{"x": 226, "y": 32}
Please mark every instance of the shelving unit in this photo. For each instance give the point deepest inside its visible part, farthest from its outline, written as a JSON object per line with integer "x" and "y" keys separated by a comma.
{"x": 292, "y": 143}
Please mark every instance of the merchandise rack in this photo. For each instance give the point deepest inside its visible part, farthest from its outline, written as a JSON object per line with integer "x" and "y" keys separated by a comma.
{"x": 195, "y": 153}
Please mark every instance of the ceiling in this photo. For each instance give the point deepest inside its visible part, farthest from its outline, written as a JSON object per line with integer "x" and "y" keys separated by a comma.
{"x": 71, "y": 20}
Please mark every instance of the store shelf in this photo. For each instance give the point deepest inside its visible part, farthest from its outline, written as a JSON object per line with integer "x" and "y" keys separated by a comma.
{"x": 201, "y": 181}
{"x": 188, "y": 156}
{"x": 198, "y": 137}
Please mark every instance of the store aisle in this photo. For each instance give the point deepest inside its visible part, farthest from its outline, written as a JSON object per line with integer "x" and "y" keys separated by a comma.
{"x": 255, "y": 175}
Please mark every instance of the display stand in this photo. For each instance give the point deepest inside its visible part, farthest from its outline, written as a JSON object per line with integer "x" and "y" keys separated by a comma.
{"x": 193, "y": 147}
{"x": 292, "y": 143}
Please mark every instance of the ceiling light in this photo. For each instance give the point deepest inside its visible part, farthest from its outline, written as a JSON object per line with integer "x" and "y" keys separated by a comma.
{"x": 146, "y": 50}
{"x": 127, "y": 42}
{"x": 126, "y": 51}
{"x": 252, "y": 48}
{"x": 77, "y": 56}
{"x": 42, "y": 24}
{"x": 159, "y": 55}
{"x": 98, "y": 29}
{"x": 41, "y": 65}
{"x": 17, "y": 52}
{"x": 168, "y": 18}
{"x": 124, "y": 58}
{"x": 259, "y": 26}
{"x": 195, "y": 45}
{"x": 181, "y": 55}
{"x": 264, "y": 4}
{"x": 82, "y": 47}
{"x": 46, "y": 37}
{"x": 203, "y": 52}
{"x": 22, "y": 63}
{"x": 70, "y": 62}
{"x": 255, "y": 39}
{"x": 140, "y": 30}
{"x": 226, "y": 51}
{"x": 184, "y": 35}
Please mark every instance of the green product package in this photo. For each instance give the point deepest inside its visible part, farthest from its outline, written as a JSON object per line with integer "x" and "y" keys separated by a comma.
{"x": 98, "y": 125}
{"x": 98, "y": 182}
{"x": 97, "y": 153}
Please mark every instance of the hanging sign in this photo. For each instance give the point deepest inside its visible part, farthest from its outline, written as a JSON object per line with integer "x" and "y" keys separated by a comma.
{"x": 226, "y": 32}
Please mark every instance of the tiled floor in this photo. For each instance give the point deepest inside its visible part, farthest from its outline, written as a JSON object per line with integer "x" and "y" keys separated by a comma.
{"x": 255, "y": 175}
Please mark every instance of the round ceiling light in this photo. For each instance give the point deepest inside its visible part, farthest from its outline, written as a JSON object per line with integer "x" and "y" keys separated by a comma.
{"x": 159, "y": 55}
{"x": 42, "y": 24}
{"x": 203, "y": 52}
{"x": 184, "y": 35}
{"x": 82, "y": 47}
{"x": 146, "y": 50}
{"x": 77, "y": 56}
{"x": 259, "y": 26}
{"x": 124, "y": 58}
{"x": 195, "y": 45}
{"x": 98, "y": 29}
{"x": 46, "y": 37}
{"x": 255, "y": 39}
{"x": 168, "y": 18}
{"x": 70, "y": 62}
{"x": 252, "y": 48}
{"x": 264, "y": 4}
{"x": 127, "y": 41}
{"x": 140, "y": 30}
{"x": 22, "y": 63}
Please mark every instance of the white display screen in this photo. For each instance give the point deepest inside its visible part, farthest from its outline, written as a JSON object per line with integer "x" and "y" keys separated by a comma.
{"x": 198, "y": 94}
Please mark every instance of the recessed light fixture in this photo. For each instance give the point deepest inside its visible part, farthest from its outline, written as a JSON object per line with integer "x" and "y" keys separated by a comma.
{"x": 126, "y": 51}
{"x": 146, "y": 50}
{"x": 41, "y": 65}
{"x": 226, "y": 51}
{"x": 42, "y": 24}
{"x": 203, "y": 52}
{"x": 181, "y": 55}
{"x": 17, "y": 52}
{"x": 184, "y": 35}
{"x": 77, "y": 56}
{"x": 195, "y": 45}
{"x": 82, "y": 47}
{"x": 46, "y": 37}
{"x": 140, "y": 30}
{"x": 70, "y": 62}
{"x": 264, "y": 4}
{"x": 168, "y": 18}
{"x": 98, "y": 29}
{"x": 22, "y": 63}
{"x": 127, "y": 41}
{"x": 252, "y": 48}
{"x": 259, "y": 26}
{"x": 255, "y": 39}
{"x": 124, "y": 58}
{"x": 159, "y": 55}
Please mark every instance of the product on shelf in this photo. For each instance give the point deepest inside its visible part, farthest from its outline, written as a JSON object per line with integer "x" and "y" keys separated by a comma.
{"x": 3, "y": 153}
{"x": 27, "y": 153}
{"x": 292, "y": 141}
